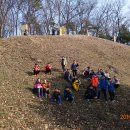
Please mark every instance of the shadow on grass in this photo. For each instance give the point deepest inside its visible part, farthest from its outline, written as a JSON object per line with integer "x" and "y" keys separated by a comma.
{"x": 30, "y": 73}
{"x": 30, "y": 89}
{"x": 56, "y": 70}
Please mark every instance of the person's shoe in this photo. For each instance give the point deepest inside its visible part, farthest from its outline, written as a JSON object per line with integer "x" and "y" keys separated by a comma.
{"x": 66, "y": 99}
{"x": 41, "y": 99}
{"x": 113, "y": 101}
{"x": 96, "y": 97}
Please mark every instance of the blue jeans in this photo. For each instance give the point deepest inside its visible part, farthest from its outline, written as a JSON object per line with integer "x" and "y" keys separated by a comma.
{"x": 40, "y": 92}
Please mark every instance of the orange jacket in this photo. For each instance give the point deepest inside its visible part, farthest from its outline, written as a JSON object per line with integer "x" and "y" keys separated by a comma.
{"x": 94, "y": 81}
{"x": 44, "y": 86}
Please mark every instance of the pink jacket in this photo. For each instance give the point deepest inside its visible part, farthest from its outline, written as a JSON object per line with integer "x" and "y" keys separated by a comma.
{"x": 38, "y": 85}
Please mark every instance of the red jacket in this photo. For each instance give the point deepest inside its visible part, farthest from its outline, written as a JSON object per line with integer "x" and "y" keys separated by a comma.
{"x": 36, "y": 67}
{"x": 48, "y": 67}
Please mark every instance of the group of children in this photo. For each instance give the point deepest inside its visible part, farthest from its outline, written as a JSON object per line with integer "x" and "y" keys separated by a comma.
{"x": 47, "y": 69}
{"x": 42, "y": 89}
{"x": 100, "y": 81}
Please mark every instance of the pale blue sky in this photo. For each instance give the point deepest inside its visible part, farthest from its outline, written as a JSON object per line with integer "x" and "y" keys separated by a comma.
{"x": 126, "y": 3}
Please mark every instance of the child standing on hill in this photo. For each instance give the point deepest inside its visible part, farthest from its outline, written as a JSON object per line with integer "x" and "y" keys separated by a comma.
{"x": 74, "y": 68}
{"x": 63, "y": 63}
{"x": 95, "y": 82}
{"x": 116, "y": 82}
{"x": 36, "y": 69}
{"x": 111, "y": 89}
{"x": 102, "y": 87}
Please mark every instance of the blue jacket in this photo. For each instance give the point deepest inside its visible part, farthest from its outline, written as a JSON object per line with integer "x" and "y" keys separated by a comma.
{"x": 111, "y": 86}
{"x": 68, "y": 94}
{"x": 103, "y": 84}
{"x": 74, "y": 66}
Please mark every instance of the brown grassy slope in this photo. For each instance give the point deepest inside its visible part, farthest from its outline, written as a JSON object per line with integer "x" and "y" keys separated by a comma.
{"x": 21, "y": 110}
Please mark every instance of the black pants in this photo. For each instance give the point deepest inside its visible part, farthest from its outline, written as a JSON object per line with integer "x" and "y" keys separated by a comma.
{"x": 116, "y": 85}
{"x": 74, "y": 73}
{"x": 112, "y": 95}
{"x": 36, "y": 72}
{"x": 48, "y": 71}
{"x": 63, "y": 68}
{"x": 104, "y": 93}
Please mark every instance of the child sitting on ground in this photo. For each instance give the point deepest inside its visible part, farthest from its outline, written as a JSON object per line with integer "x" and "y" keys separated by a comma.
{"x": 36, "y": 69}
{"x": 90, "y": 93}
{"x": 87, "y": 72}
{"x": 76, "y": 84}
{"x": 56, "y": 96}
{"x": 67, "y": 75}
{"x": 68, "y": 96}
{"x": 48, "y": 68}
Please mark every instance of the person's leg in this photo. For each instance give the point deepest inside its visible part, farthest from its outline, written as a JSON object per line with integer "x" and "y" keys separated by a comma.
{"x": 116, "y": 86}
{"x": 105, "y": 94}
{"x": 112, "y": 96}
{"x": 68, "y": 79}
{"x": 34, "y": 72}
{"x": 38, "y": 94}
{"x": 98, "y": 93}
{"x": 41, "y": 92}
{"x": 59, "y": 99}
{"x": 65, "y": 95}
{"x": 48, "y": 93}
{"x": 76, "y": 73}
{"x": 73, "y": 73}
{"x": 50, "y": 71}
{"x": 44, "y": 92}
{"x": 71, "y": 98}
{"x": 63, "y": 68}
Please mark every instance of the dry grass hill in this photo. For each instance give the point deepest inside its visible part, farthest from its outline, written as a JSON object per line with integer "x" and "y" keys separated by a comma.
{"x": 21, "y": 110}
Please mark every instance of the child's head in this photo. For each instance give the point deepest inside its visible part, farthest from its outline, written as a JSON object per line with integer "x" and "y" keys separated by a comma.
{"x": 99, "y": 69}
{"x": 67, "y": 88}
{"x": 38, "y": 80}
{"x": 88, "y": 67}
{"x": 74, "y": 61}
{"x": 106, "y": 71}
